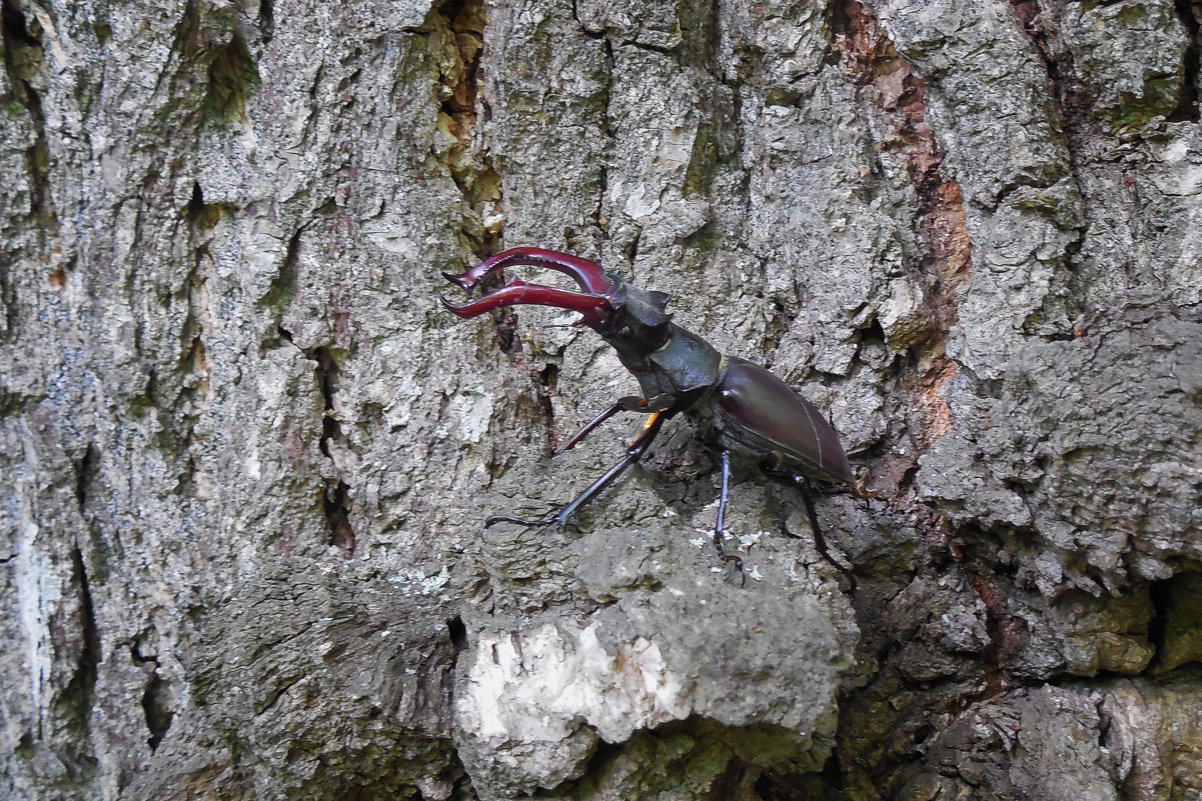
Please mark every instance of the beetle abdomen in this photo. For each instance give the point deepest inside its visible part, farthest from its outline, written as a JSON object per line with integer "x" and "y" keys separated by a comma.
{"x": 775, "y": 421}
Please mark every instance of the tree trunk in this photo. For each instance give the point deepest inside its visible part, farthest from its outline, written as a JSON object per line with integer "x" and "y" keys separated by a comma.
{"x": 246, "y": 456}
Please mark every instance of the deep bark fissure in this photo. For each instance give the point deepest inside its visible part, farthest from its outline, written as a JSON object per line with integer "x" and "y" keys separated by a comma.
{"x": 158, "y": 698}
{"x": 1157, "y": 627}
{"x": 158, "y": 715}
{"x": 267, "y": 19}
{"x": 1190, "y": 14}
{"x": 1175, "y": 622}
{"x": 336, "y": 508}
{"x": 469, "y": 160}
{"x": 80, "y": 694}
{"x": 1059, "y": 70}
{"x": 472, "y": 168}
{"x": 998, "y": 624}
{"x": 23, "y": 55}
{"x": 233, "y": 75}
{"x": 85, "y": 468}
{"x": 457, "y": 634}
{"x": 548, "y": 382}
{"x": 1071, "y": 107}
{"x": 335, "y": 497}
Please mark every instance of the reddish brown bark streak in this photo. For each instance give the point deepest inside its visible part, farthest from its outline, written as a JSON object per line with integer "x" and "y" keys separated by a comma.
{"x": 888, "y": 80}
{"x": 889, "y": 87}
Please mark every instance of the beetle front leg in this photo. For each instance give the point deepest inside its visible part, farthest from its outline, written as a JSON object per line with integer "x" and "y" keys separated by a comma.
{"x": 630, "y": 403}
{"x": 720, "y": 525}
{"x": 633, "y": 454}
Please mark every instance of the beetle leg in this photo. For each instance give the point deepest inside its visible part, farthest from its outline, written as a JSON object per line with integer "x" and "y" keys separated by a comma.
{"x": 803, "y": 486}
{"x": 630, "y": 403}
{"x": 720, "y": 525}
{"x": 633, "y": 454}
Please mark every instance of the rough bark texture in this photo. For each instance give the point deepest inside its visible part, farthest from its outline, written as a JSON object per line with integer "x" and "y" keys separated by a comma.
{"x": 245, "y": 458}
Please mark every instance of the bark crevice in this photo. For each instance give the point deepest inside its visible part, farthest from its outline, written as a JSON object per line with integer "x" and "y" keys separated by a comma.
{"x": 335, "y": 496}
{"x": 23, "y": 60}
{"x": 79, "y": 697}
{"x": 158, "y": 698}
{"x": 1190, "y": 14}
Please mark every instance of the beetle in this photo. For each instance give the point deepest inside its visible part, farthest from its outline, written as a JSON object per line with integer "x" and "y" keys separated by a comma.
{"x": 737, "y": 406}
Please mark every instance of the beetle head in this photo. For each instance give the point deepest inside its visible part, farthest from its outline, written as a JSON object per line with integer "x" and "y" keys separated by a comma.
{"x": 636, "y": 322}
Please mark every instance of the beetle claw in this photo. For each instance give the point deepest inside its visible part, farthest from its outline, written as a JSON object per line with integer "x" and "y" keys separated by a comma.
{"x": 460, "y": 280}
{"x": 520, "y": 293}
{"x": 738, "y": 568}
{"x": 588, "y": 274}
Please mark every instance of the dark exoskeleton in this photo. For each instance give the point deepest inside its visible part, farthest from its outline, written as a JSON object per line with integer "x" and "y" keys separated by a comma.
{"x": 738, "y": 406}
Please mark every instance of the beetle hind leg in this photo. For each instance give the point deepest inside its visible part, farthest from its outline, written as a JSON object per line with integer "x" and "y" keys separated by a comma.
{"x": 803, "y": 486}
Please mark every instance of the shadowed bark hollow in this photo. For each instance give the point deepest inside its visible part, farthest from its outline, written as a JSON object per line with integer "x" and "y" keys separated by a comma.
{"x": 245, "y": 456}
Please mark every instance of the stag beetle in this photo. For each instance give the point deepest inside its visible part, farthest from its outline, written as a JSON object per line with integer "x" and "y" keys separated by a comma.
{"x": 738, "y": 406}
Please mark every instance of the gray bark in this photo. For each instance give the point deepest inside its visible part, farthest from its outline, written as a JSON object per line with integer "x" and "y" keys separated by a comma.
{"x": 245, "y": 457}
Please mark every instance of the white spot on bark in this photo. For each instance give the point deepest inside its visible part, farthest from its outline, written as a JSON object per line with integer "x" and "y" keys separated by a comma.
{"x": 474, "y": 411}
{"x": 527, "y": 698}
{"x": 637, "y": 204}
{"x": 33, "y": 574}
{"x": 253, "y": 466}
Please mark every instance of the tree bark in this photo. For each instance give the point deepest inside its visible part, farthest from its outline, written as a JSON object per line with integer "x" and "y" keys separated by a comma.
{"x": 245, "y": 457}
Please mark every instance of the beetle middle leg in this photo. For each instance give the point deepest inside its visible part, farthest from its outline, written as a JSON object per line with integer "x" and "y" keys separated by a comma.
{"x": 720, "y": 524}
{"x": 633, "y": 454}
